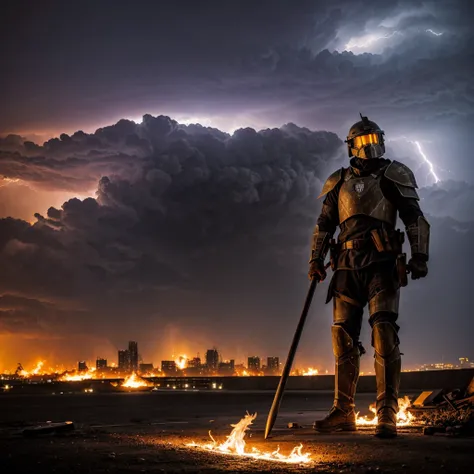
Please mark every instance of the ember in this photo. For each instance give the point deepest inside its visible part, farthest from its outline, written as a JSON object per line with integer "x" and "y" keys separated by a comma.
{"x": 235, "y": 445}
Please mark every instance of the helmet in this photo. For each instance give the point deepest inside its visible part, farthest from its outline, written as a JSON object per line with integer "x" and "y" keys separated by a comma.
{"x": 365, "y": 139}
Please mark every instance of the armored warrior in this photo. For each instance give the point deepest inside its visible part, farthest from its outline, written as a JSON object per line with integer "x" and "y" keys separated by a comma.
{"x": 363, "y": 200}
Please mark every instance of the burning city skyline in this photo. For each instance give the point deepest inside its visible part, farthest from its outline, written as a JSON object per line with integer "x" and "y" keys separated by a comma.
{"x": 212, "y": 363}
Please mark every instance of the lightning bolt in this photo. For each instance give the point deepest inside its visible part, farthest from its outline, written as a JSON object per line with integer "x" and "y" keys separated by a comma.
{"x": 427, "y": 161}
{"x": 419, "y": 149}
{"x": 429, "y": 30}
{"x": 7, "y": 181}
{"x": 368, "y": 40}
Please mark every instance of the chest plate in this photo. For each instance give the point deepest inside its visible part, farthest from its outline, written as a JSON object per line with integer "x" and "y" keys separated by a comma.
{"x": 363, "y": 195}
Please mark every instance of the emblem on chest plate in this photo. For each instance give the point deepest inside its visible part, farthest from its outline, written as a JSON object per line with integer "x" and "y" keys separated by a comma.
{"x": 359, "y": 187}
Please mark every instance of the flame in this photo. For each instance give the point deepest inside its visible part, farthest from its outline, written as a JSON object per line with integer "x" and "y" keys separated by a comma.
{"x": 235, "y": 445}
{"x": 36, "y": 371}
{"x": 311, "y": 371}
{"x": 78, "y": 376}
{"x": 404, "y": 417}
{"x": 38, "y": 368}
{"x": 182, "y": 362}
{"x": 134, "y": 381}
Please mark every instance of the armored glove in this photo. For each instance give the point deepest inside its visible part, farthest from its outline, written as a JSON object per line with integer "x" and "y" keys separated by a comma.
{"x": 319, "y": 251}
{"x": 316, "y": 269}
{"x": 419, "y": 238}
{"x": 418, "y": 266}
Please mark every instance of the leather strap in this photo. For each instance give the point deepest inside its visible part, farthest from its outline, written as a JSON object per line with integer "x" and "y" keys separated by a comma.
{"x": 355, "y": 244}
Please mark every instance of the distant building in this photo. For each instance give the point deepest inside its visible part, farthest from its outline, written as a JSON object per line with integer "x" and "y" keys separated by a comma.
{"x": 194, "y": 363}
{"x": 133, "y": 350}
{"x": 124, "y": 361}
{"x": 254, "y": 364}
{"x": 273, "y": 365}
{"x": 438, "y": 366}
{"x": 227, "y": 367}
{"x": 240, "y": 369}
{"x": 194, "y": 366}
{"x": 169, "y": 367}
{"x": 464, "y": 362}
{"x": 144, "y": 368}
{"x": 82, "y": 366}
{"x": 212, "y": 360}
{"x": 101, "y": 364}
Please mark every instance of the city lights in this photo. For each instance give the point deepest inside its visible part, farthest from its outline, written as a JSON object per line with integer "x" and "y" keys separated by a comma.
{"x": 135, "y": 373}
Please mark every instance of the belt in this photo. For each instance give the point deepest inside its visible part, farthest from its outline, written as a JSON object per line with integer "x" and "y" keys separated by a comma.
{"x": 356, "y": 244}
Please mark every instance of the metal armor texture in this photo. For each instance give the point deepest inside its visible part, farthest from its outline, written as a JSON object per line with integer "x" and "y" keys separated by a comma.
{"x": 363, "y": 195}
{"x": 331, "y": 182}
{"x": 387, "y": 364}
{"x": 403, "y": 178}
{"x": 419, "y": 237}
{"x": 387, "y": 301}
{"x": 347, "y": 353}
{"x": 320, "y": 245}
{"x": 347, "y": 368}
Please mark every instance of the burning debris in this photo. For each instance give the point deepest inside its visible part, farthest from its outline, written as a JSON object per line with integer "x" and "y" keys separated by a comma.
{"x": 38, "y": 370}
{"x": 404, "y": 416}
{"x": 235, "y": 445}
{"x": 79, "y": 376}
{"x": 134, "y": 381}
{"x": 437, "y": 411}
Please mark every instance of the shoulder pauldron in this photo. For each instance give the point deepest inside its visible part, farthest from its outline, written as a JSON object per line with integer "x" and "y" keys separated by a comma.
{"x": 403, "y": 178}
{"x": 331, "y": 182}
{"x": 401, "y": 174}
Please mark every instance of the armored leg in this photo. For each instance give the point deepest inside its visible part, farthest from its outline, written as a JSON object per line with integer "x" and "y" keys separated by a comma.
{"x": 387, "y": 361}
{"x": 345, "y": 335}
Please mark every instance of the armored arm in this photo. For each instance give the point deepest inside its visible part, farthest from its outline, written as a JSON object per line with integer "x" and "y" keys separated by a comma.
{"x": 419, "y": 237}
{"x": 325, "y": 226}
{"x": 402, "y": 189}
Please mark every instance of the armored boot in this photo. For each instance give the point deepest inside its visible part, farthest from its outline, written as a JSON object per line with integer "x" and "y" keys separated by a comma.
{"x": 387, "y": 372}
{"x": 342, "y": 416}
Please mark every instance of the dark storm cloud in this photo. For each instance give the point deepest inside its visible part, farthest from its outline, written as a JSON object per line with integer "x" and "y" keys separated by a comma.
{"x": 450, "y": 198}
{"x": 267, "y": 59}
{"x": 73, "y": 162}
{"x": 22, "y": 315}
{"x": 210, "y": 231}
{"x": 128, "y": 150}
{"x": 159, "y": 238}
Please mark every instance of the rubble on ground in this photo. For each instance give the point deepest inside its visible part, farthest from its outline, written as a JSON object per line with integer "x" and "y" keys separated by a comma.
{"x": 446, "y": 412}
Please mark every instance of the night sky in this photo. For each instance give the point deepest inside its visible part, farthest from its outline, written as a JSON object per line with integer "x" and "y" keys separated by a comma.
{"x": 161, "y": 162}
